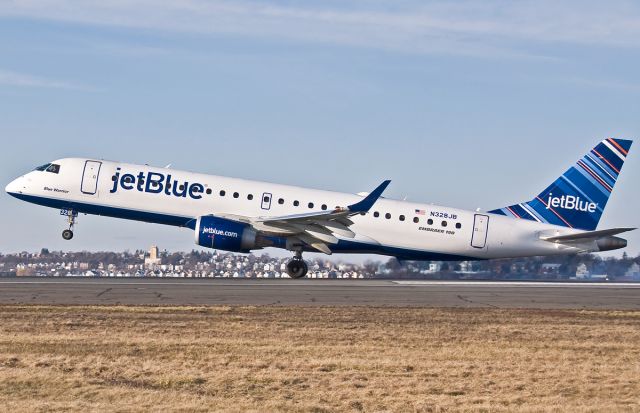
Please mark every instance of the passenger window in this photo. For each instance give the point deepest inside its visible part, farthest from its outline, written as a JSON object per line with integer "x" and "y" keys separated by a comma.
{"x": 416, "y": 219}
{"x": 266, "y": 199}
{"x": 387, "y": 215}
{"x": 376, "y": 214}
{"x": 249, "y": 197}
{"x": 444, "y": 223}
{"x": 209, "y": 191}
{"x": 235, "y": 194}
{"x": 430, "y": 221}
{"x": 281, "y": 201}
{"x": 310, "y": 205}
{"x": 401, "y": 217}
{"x": 324, "y": 207}
{"x": 296, "y": 203}
{"x": 458, "y": 225}
{"x": 223, "y": 193}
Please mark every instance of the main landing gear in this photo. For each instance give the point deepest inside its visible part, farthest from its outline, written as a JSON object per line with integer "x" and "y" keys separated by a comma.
{"x": 67, "y": 234}
{"x": 297, "y": 268}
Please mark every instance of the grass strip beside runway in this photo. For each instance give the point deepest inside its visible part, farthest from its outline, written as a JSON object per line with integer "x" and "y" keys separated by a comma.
{"x": 317, "y": 359}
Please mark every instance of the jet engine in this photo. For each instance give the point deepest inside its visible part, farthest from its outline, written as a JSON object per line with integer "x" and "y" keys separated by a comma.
{"x": 611, "y": 243}
{"x": 224, "y": 234}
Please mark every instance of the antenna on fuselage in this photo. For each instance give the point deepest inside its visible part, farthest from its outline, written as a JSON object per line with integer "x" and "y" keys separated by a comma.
{"x": 168, "y": 166}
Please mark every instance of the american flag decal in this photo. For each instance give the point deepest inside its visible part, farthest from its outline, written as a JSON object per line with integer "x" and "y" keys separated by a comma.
{"x": 420, "y": 212}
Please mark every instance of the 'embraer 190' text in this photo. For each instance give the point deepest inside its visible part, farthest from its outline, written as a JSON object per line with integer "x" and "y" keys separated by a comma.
{"x": 156, "y": 183}
{"x": 571, "y": 202}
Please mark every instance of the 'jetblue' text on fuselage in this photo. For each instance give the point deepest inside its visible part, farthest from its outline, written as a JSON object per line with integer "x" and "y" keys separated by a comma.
{"x": 156, "y": 183}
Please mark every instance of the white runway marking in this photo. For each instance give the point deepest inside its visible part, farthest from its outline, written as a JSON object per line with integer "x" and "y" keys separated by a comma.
{"x": 517, "y": 284}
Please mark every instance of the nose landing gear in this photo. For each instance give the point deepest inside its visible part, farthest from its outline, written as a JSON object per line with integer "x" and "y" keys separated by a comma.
{"x": 296, "y": 267}
{"x": 71, "y": 215}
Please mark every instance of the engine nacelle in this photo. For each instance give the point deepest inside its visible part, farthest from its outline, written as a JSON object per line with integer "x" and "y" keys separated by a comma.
{"x": 224, "y": 234}
{"x": 611, "y": 243}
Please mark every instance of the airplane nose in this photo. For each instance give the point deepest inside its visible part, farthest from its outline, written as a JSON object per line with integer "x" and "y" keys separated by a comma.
{"x": 14, "y": 186}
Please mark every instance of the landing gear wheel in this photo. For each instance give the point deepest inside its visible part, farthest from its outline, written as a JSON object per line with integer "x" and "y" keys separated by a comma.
{"x": 67, "y": 234}
{"x": 71, "y": 215}
{"x": 297, "y": 268}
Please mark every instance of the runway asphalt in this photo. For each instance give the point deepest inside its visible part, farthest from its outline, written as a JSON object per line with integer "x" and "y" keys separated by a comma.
{"x": 311, "y": 292}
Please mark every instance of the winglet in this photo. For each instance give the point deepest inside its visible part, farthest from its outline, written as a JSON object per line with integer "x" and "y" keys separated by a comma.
{"x": 366, "y": 204}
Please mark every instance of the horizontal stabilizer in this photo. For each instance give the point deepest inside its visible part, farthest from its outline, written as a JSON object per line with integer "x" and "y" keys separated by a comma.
{"x": 587, "y": 236}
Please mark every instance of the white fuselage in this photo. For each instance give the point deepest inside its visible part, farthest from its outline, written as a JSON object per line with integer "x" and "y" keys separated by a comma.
{"x": 389, "y": 228}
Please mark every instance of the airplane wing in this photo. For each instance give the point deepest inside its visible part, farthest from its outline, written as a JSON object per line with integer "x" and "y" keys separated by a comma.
{"x": 586, "y": 236}
{"x": 315, "y": 229}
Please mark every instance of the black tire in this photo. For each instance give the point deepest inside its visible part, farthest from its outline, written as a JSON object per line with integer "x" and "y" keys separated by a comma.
{"x": 297, "y": 268}
{"x": 67, "y": 234}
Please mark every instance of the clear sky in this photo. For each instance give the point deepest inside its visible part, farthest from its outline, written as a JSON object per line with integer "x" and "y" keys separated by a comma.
{"x": 464, "y": 103}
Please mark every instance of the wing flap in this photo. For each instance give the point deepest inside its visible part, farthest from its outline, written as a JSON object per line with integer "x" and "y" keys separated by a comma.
{"x": 340, "y": 229}
{"x": 314, "y": 243}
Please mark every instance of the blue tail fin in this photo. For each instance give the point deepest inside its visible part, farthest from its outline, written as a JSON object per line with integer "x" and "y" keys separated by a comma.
{"x": 577, "y": 199}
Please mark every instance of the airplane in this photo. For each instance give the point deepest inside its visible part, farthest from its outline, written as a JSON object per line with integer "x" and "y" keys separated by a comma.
{"x": 240, "y": 215}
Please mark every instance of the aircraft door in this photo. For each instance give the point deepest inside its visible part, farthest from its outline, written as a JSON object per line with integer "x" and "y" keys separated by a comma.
{"x": 89, "y": 184}
{"x": 480, "y": 231}
{"x": 266, "y": 200}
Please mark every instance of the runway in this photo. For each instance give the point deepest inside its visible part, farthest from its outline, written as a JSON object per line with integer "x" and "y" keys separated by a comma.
{"x": 310, "y": 292}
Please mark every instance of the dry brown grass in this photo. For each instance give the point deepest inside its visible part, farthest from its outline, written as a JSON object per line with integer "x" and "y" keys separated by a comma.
{"x": 317, "y": 359}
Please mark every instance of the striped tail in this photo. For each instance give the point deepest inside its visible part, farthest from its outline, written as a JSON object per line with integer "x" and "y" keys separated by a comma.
{"x": 577, "y": 199}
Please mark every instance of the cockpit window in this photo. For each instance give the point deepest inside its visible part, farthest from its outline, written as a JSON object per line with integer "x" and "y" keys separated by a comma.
{"x": 49, "y": 167}
{"x": 54, "y": 168}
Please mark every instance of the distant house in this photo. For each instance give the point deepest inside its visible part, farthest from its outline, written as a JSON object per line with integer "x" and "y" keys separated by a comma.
{"x": 582, "y": 271}
{"x": 633, "y": 271}
{"x": 517, "y": 267}
{"x": 550, "y": 268}
{"x": 466, "y": 266}
{"x": 435, "y": 267}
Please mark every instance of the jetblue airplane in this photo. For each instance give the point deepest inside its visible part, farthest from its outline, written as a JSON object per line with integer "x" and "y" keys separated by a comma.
{"x": 240, "y": 215}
